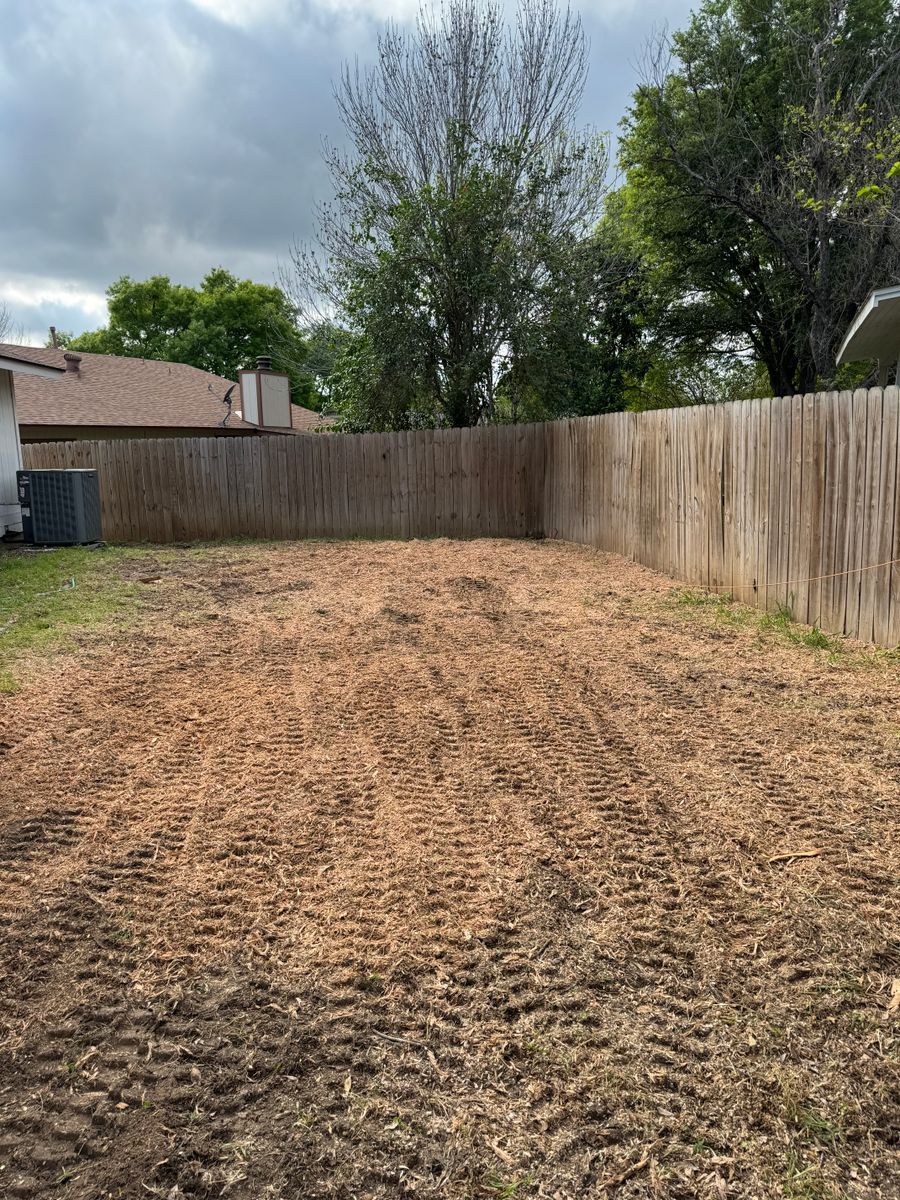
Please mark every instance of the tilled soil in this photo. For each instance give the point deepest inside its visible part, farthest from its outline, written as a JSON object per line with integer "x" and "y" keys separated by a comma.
{"x": 446, "y": 869}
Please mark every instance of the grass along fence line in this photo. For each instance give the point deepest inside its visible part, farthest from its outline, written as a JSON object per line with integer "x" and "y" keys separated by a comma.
{"x": 790, "y": 504}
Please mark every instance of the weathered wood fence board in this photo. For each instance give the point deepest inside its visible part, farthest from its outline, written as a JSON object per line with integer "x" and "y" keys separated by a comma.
{"x": 793, "y": 501}
{"x": 450, "y": 482}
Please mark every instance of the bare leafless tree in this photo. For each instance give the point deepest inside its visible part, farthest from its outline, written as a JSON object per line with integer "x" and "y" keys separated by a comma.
{"x": 464, "y": 83}
{"x": 10, "y": 332}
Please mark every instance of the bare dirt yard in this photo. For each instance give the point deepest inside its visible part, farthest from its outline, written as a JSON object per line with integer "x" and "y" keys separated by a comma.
{"x": 482, "y": 869}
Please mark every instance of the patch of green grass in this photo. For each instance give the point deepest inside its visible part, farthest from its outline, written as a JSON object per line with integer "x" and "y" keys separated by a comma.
{"x": 9, "y": 685}
{"x": 46, "y": 596}
{"x": 723, "y": 609}
{"x": 505, "y": 1189}
{"x": 536, "y": 1047}
{"x": 805, "y": 1182}
{"x": 813, "y": 1124}
{"x": 370, "y": 982}
{"x": 305, "y": 1117}
{"x": 690, "y": 598}
{"x": 780, "y": 622}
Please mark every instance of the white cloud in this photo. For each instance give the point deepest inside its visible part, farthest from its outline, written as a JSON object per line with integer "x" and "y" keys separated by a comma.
{"x": 247, "y": 14}
{"x": 244, "y": 14}
{"x": 293, "y": 14}
{"x": 39, "y": 293}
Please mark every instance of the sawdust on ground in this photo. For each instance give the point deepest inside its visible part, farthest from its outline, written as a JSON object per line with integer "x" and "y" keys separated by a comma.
{"x": 446, "y": 869}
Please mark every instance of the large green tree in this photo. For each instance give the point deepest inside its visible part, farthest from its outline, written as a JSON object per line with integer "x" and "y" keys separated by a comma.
{"x": 585, "y": 341}
{"x": 761, "y": 169}
{"x": 459, "y": 211}
{"x": 220, "y": 326}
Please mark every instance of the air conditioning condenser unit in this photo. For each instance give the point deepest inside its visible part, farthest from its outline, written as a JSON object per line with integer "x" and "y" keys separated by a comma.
{"x": 59, "y": 508}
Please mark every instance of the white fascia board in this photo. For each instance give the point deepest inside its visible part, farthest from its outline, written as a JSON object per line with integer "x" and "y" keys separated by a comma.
{"x": 19, "y": 366}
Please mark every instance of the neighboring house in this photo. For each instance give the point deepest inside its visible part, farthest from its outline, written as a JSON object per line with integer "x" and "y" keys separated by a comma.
{"x": 14, "y": 370}
{"x": 107, "y": 396}
{"x": 875, "y": 334}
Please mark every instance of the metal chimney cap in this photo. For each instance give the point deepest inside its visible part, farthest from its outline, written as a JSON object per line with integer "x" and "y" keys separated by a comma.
{"x": 263, "y": 362}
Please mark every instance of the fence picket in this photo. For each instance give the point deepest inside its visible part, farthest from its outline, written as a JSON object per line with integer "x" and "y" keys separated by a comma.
{"x": 886, "y": 507}
{"x": 759, "y": 497}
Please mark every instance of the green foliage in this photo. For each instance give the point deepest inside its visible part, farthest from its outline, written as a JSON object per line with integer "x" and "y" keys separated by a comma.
{"x": 326, "y": 343}
{"x": 760, "y": 183}
{"x": 455, "y": 250}
{"x": 678, "y": 378}
{"x": 583, "y": 345}
{"x": 46, "y": 596}
{"x": 813, "y": 1124}
{"x": 806, "y": 1181}
{"x": 505, "y": 1189}
{"x": 373, "y": 390}
{"x": 219, "y": 327}
{"x": 866, "y": 146}
{"x": 473, "y": 309}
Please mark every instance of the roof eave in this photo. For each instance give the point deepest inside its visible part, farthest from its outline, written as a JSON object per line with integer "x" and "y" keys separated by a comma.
{"x": 22, "y": 366}
{"x": 860, "y": 343}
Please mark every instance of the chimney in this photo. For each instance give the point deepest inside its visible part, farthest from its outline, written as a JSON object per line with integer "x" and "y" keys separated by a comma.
{"x": 263, "y": 362}
{"x": 54, "y": 341}
{"x": 72, "y": 361}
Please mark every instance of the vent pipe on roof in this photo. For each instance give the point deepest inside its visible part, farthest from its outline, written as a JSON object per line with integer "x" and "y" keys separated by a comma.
{"x": 54, "y": 340}
{"x": 263, "y": 362}
{"x": 72, "y": 361}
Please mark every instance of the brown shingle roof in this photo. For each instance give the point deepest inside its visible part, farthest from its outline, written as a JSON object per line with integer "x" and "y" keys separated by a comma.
{"x": 108, "y": 389}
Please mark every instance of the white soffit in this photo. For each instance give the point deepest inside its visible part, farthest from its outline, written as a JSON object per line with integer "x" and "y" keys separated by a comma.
{"x": 875, "y": 332}
{"x": 22, "y": 366}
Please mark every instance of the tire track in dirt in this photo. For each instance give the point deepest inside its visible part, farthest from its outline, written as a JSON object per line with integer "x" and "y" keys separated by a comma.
{"x": 100, "y": 934}
{"x": 616, "y": 851}
{"x": 421, "y": 896}
{"x": 687, "y": 1015}
{"x": 81, "y": 946}
{"x": 805, "y": 806}
{"x": 768, "y": 984}
{"x": 506, "y": 973}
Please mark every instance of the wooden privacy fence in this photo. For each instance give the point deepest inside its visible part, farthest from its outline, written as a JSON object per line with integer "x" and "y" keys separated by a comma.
{"x": 793, "y": 501}
{"x": 451, "y": 482}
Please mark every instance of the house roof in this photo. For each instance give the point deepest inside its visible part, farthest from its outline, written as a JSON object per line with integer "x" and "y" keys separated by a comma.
{"x": 875, "y": 332}
{"x": 25, "y": 365}
{"x": 108, "y": 389}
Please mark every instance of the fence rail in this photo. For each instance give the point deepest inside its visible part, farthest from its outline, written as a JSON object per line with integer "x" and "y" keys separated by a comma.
{"x": 793, "y": 501}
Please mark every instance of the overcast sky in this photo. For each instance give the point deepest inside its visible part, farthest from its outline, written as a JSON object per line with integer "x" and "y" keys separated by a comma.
{"x": 143, "y": 137}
